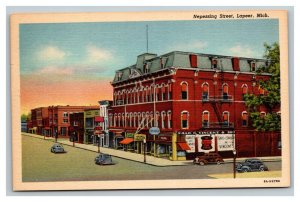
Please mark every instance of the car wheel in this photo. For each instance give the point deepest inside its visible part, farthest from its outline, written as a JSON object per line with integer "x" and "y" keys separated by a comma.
{"x": 261, "y": 169}
{"x": 245, "y": 170}
{"x": 201, "y": 163}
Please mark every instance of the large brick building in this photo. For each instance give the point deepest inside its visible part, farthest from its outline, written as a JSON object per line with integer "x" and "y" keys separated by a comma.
{"x": 196, "y": 100}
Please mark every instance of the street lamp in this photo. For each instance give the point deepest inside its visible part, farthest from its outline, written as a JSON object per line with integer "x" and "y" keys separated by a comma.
{"x": 144, "y": 141}
{"x": 234, "y": 162}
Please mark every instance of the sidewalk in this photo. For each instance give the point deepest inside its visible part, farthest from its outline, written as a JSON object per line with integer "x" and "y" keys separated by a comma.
{"x": 138, "y": 157}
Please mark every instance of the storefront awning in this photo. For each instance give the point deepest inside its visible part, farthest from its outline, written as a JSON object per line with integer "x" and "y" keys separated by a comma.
{"x": 183, "y": 146}
{"x": 99, "y": 119}
{"x": 127, "y": 141}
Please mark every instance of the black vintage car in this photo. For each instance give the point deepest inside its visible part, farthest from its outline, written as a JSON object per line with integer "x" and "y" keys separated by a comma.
{"x": 251, "y": 165}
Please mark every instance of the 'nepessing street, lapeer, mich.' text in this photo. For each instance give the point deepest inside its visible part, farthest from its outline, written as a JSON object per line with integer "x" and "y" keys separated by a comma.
{"x": 230, "y": 16}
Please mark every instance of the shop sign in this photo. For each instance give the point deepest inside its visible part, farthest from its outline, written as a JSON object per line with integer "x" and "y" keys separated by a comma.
{"x": 165, "y": 138}
{"x": 206, "y": 143}
{"x": 130, "y": 135}
{"x": 139, "y": 137}
{"x": 154, "y": 131}
{"x": 226, "y": 142}
{"x": 190, "y": 140}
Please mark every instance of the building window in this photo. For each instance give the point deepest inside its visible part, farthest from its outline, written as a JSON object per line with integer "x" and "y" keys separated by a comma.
{"x": 226, "y": 119}
{"x": 157, "y": 91}
{"x": 169, "y": 119}
{"x": 205, "y": 119}
{"x": 214, "y": 63}
{"x": 119, "y": 120}
{"x": 184, "y": 91}
{"x": 169, "y": 92}
{"x": 205, "y": 91}
{"x": 65, "y": 121}
{"x": 163, "y": 119}
{"x": 65, "y": 114}
{"x": 225, "y": 91}
{"x": 146, "y": 68}
{"x": 244, "y": 118}
{"x": 119, "y": 76}
{"x": 63, "y": 131}
{"x": 262, "y": 114}
{"x": 244, "y": 89}
{"x": 253, "y": 66}
{"x": 184, "y": 120}
{"x": 163, "y": 92}
{"x": 261, "y": 90}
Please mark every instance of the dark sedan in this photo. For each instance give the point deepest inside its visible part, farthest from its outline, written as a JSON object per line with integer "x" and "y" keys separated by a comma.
{"x": 251, "y": 165}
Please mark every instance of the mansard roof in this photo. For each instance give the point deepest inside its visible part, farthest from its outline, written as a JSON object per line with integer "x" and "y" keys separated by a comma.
{"x": 180, "y": 59}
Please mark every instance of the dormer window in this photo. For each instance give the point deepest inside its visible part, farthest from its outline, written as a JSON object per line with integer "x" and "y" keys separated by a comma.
{"x": 146, "y": 68}
{"x": 253, "y": 66}
{"x": 214, "y": 63}
{"x": 119, "y": 75}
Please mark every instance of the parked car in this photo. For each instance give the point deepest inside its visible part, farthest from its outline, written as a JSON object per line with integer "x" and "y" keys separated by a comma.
{"x": 104, "y": 159}
{"x": 57, "y": 148}
{"x": 251, "y": 165}
{"x": 208, "y": 158}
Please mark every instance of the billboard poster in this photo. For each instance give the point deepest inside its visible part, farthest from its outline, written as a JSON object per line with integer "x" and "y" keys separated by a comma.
{"x": 190, "y": 140}
{"x": 206, "y": 143}
{"x": 225, "y": 142}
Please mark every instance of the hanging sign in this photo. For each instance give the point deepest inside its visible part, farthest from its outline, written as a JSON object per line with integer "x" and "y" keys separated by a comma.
{"x": 226, "y": 142}
{"x": 154, "y": 131}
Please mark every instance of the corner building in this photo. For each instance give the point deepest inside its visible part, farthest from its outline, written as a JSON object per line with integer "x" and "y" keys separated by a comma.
{"x": 196, "y": 100}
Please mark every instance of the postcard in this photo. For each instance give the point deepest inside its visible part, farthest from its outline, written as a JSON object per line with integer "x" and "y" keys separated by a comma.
{"x": 150, "y": 100}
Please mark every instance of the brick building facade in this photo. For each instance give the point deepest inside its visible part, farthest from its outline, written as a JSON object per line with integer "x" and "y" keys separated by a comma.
{"x": 196, "y": 100}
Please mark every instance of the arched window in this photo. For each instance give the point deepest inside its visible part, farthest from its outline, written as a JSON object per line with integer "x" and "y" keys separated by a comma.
{"x": 156, "y": 119}
{"x": 143, "y": 121}
{"x": 262, "y": 114}
{"x": 138, "y": 119}
{"x": 123, "y": 120}
{"x": 214, "y": 63}
{"x": 151, "y": 119}
{"x": 225, "y": 91}
{"x": 130, "y": 119}
{"x": 205, "y": 119}
{"x": 110, "y": 120}
{"x": 244, "y": 118}
{"x": 163, "y": 119}
{"x": 169, "y": 119}
{"x": 253, "y": 66}
{"x": 244, "y": 89}
{"x": 225, "y": 119}
{"x": 170, "y": 92}
{"x": 184, "y": 120}
{"x": 147, "y": 119}
{"x": 134, "y": 119}
{"x": 115, "y": 120}
{"x": 184, "y": 91}
{"x": 119, "y": 120}
{"x": 205, "y": 91}
{"x": 163, "y": 92}
{"x": 157, "y": 92}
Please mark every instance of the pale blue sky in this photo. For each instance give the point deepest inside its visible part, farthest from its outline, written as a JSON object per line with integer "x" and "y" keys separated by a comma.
{"x": 98, "y": 49}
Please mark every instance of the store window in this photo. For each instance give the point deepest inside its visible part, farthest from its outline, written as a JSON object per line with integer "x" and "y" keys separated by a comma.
{"x": 184, "y": 120}
{"x": 184, "y": 91}
{"x": 205, "y": 91}
{"x": 205, "y": 119}
{"x": 244, "y": 118}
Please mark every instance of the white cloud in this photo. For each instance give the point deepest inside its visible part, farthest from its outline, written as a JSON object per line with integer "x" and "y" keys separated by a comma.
{"x": 52, "y": 53}
{"x": 196, "y": 46}
{"x": 241, "y": 51}
{"x": 97, "y": 55}
{"x": 53, "y": 70}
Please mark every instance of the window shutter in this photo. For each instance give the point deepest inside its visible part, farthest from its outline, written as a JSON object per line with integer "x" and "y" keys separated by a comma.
{"x": 225, "y": 116}
{"x": 184, "y": 87}
{"x": 225, "y": 89}
{"x": 184, "y": 116}
{"x": 244, "y": 89}
{"x": 193, "y": 60}
{"x": 205, "y": 88}
{"x": 236, "y": 64}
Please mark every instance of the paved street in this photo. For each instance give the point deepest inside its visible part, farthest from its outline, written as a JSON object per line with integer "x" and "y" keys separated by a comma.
{"x": 39, "y": 164}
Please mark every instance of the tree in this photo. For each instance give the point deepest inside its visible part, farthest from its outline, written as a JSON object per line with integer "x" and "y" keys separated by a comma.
{"x": 272, "y": 120}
